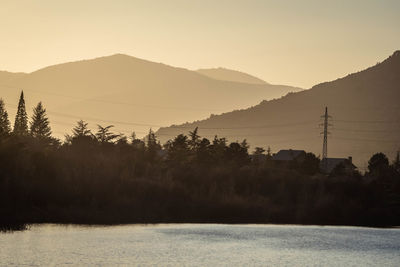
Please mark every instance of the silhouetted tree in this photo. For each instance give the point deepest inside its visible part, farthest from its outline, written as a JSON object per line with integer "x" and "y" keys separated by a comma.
{"x": 218, "y": 149}
{"x": 40, "y": 127}
{"x": 310, "y": 165}
{"x": 258, "y": 151}
{"x": 245, "y": 146}
{"x": 152, "y": 146}
{"x": 258, "y": 155}
{"x": 194, "y": 139}
{"x": 203, "y": 151}
{"x": 136, "y": 142}
{"x": 237, "y": 153}
{"x": 122, "y": 139}
{"x": 178, "y": 150}
{"x": 81, "y": 135}
{"x": 378, "y": 163}
{"x": 194, "y": 181}
{"x": 21, "y": 118}
{"x": 152, "y": 143}
{"x": 81, "y": 129}
{"x": 5, "y": 128}
{"x": 151, "y": 140}
{"x": 104, "y": 135}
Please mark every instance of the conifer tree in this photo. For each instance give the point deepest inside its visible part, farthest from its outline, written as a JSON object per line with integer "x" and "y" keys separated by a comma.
{"x": 5, "y": 128}
{"x": 104, "y": 135}
{"x": 40, "y": 127}
{"x": 152, "y": 146}
{"x": 194, "y": 140}
{"x": 151, "y": 140}
{"x": 21, "y": 119}
{"x": 258, "y": 151}
{"x": 81, "y": 129}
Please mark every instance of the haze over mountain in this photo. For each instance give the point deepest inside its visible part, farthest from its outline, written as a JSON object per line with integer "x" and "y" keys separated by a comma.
{"x": 130, "y": 93}
{"x": 6, "y": 76}
{"x": 364, "y": 106}
{"x": 230, "y": 75}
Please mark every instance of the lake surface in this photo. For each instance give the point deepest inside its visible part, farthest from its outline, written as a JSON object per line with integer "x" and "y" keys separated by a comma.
{"x": 201, "y": 245}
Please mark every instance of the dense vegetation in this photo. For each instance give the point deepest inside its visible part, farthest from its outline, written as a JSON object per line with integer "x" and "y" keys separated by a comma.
{"x": 104, "y": 178}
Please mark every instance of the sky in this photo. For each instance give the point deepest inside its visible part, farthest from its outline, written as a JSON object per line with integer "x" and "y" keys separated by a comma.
{"x": 299, "y": 43}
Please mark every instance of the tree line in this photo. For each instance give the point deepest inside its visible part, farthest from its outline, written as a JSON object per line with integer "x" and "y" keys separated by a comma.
{"x": 108, "y": 178}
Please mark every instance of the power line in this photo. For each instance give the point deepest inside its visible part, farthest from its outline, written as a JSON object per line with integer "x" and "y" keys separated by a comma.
{"x": 125, "y": 131}
{"x": 362, "y": 131}
{"x": 376, "y": 121}
{"x": 367, "y": 140}
{"x": 173, "y": 126}
{"x": 117, "y": 102}
{"x": 244, "y": 127}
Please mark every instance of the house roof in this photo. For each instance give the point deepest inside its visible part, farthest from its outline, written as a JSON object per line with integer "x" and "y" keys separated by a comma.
{"x": 287, "y": 154}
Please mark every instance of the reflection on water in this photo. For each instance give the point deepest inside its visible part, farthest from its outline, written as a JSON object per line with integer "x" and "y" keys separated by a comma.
{"x": 201, "y": 244}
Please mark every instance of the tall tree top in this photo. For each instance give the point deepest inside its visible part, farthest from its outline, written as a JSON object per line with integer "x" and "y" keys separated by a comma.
{"x": 40, "y": 127}
{"x": 21, "y": 118}
{"x": 104, "y": 135}
{"x": 81, "y": 129}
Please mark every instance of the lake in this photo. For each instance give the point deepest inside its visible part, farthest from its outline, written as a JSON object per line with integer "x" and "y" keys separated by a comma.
{"x": 201, "y": 245}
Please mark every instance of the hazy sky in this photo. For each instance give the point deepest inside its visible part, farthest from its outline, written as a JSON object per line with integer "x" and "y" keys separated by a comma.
{"x": 287, "y": 42}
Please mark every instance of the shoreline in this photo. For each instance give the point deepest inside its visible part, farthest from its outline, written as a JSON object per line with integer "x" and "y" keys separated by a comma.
{"x": 27, "y": 226}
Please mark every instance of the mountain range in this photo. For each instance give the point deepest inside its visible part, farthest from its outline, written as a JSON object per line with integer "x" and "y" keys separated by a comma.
{"x": 131, "y": 93}
{"x": 364, "y": 106}
{"x": 135, "y": 95}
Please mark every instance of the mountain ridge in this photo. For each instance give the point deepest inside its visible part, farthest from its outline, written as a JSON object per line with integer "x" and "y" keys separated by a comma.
{"x": 125, "y": 88}
{"x": 363, "y": 104}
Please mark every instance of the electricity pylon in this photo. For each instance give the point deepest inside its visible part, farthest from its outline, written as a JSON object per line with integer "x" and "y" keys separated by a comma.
{"x": 326, "y": 124}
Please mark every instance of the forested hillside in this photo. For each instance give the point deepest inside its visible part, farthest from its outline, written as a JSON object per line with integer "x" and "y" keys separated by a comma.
{"x": 364, "y": 106}
{"x": 102, "y": 177}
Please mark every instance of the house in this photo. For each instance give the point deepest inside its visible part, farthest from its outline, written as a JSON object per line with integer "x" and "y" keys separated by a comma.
{"x": 286, "y": 155}
{"x": 329, "y": 164}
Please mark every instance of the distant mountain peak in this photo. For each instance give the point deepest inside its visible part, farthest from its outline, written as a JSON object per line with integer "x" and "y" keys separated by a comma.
{"x": 119, "y": 55}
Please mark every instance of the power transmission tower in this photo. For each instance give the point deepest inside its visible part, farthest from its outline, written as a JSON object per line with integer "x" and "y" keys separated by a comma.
{"x": 326, "y": 124}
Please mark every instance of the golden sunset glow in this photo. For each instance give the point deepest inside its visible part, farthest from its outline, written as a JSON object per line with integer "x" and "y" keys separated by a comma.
{"x": 298, "y": 43}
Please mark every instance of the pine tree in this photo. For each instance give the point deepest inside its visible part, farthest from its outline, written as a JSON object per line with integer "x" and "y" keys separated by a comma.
{"x": 151, "y": 140}
{"x": 152, "y": 146}
{"x": 5, "y": 128}
{"x": 81, "y": 129}
{"x": 40, "y": 123}
{"x": 194, "y": 140}
{"x": 104, "y": 135}
{"x": 21, "y": 119}
{"x": 258, "y": 151}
